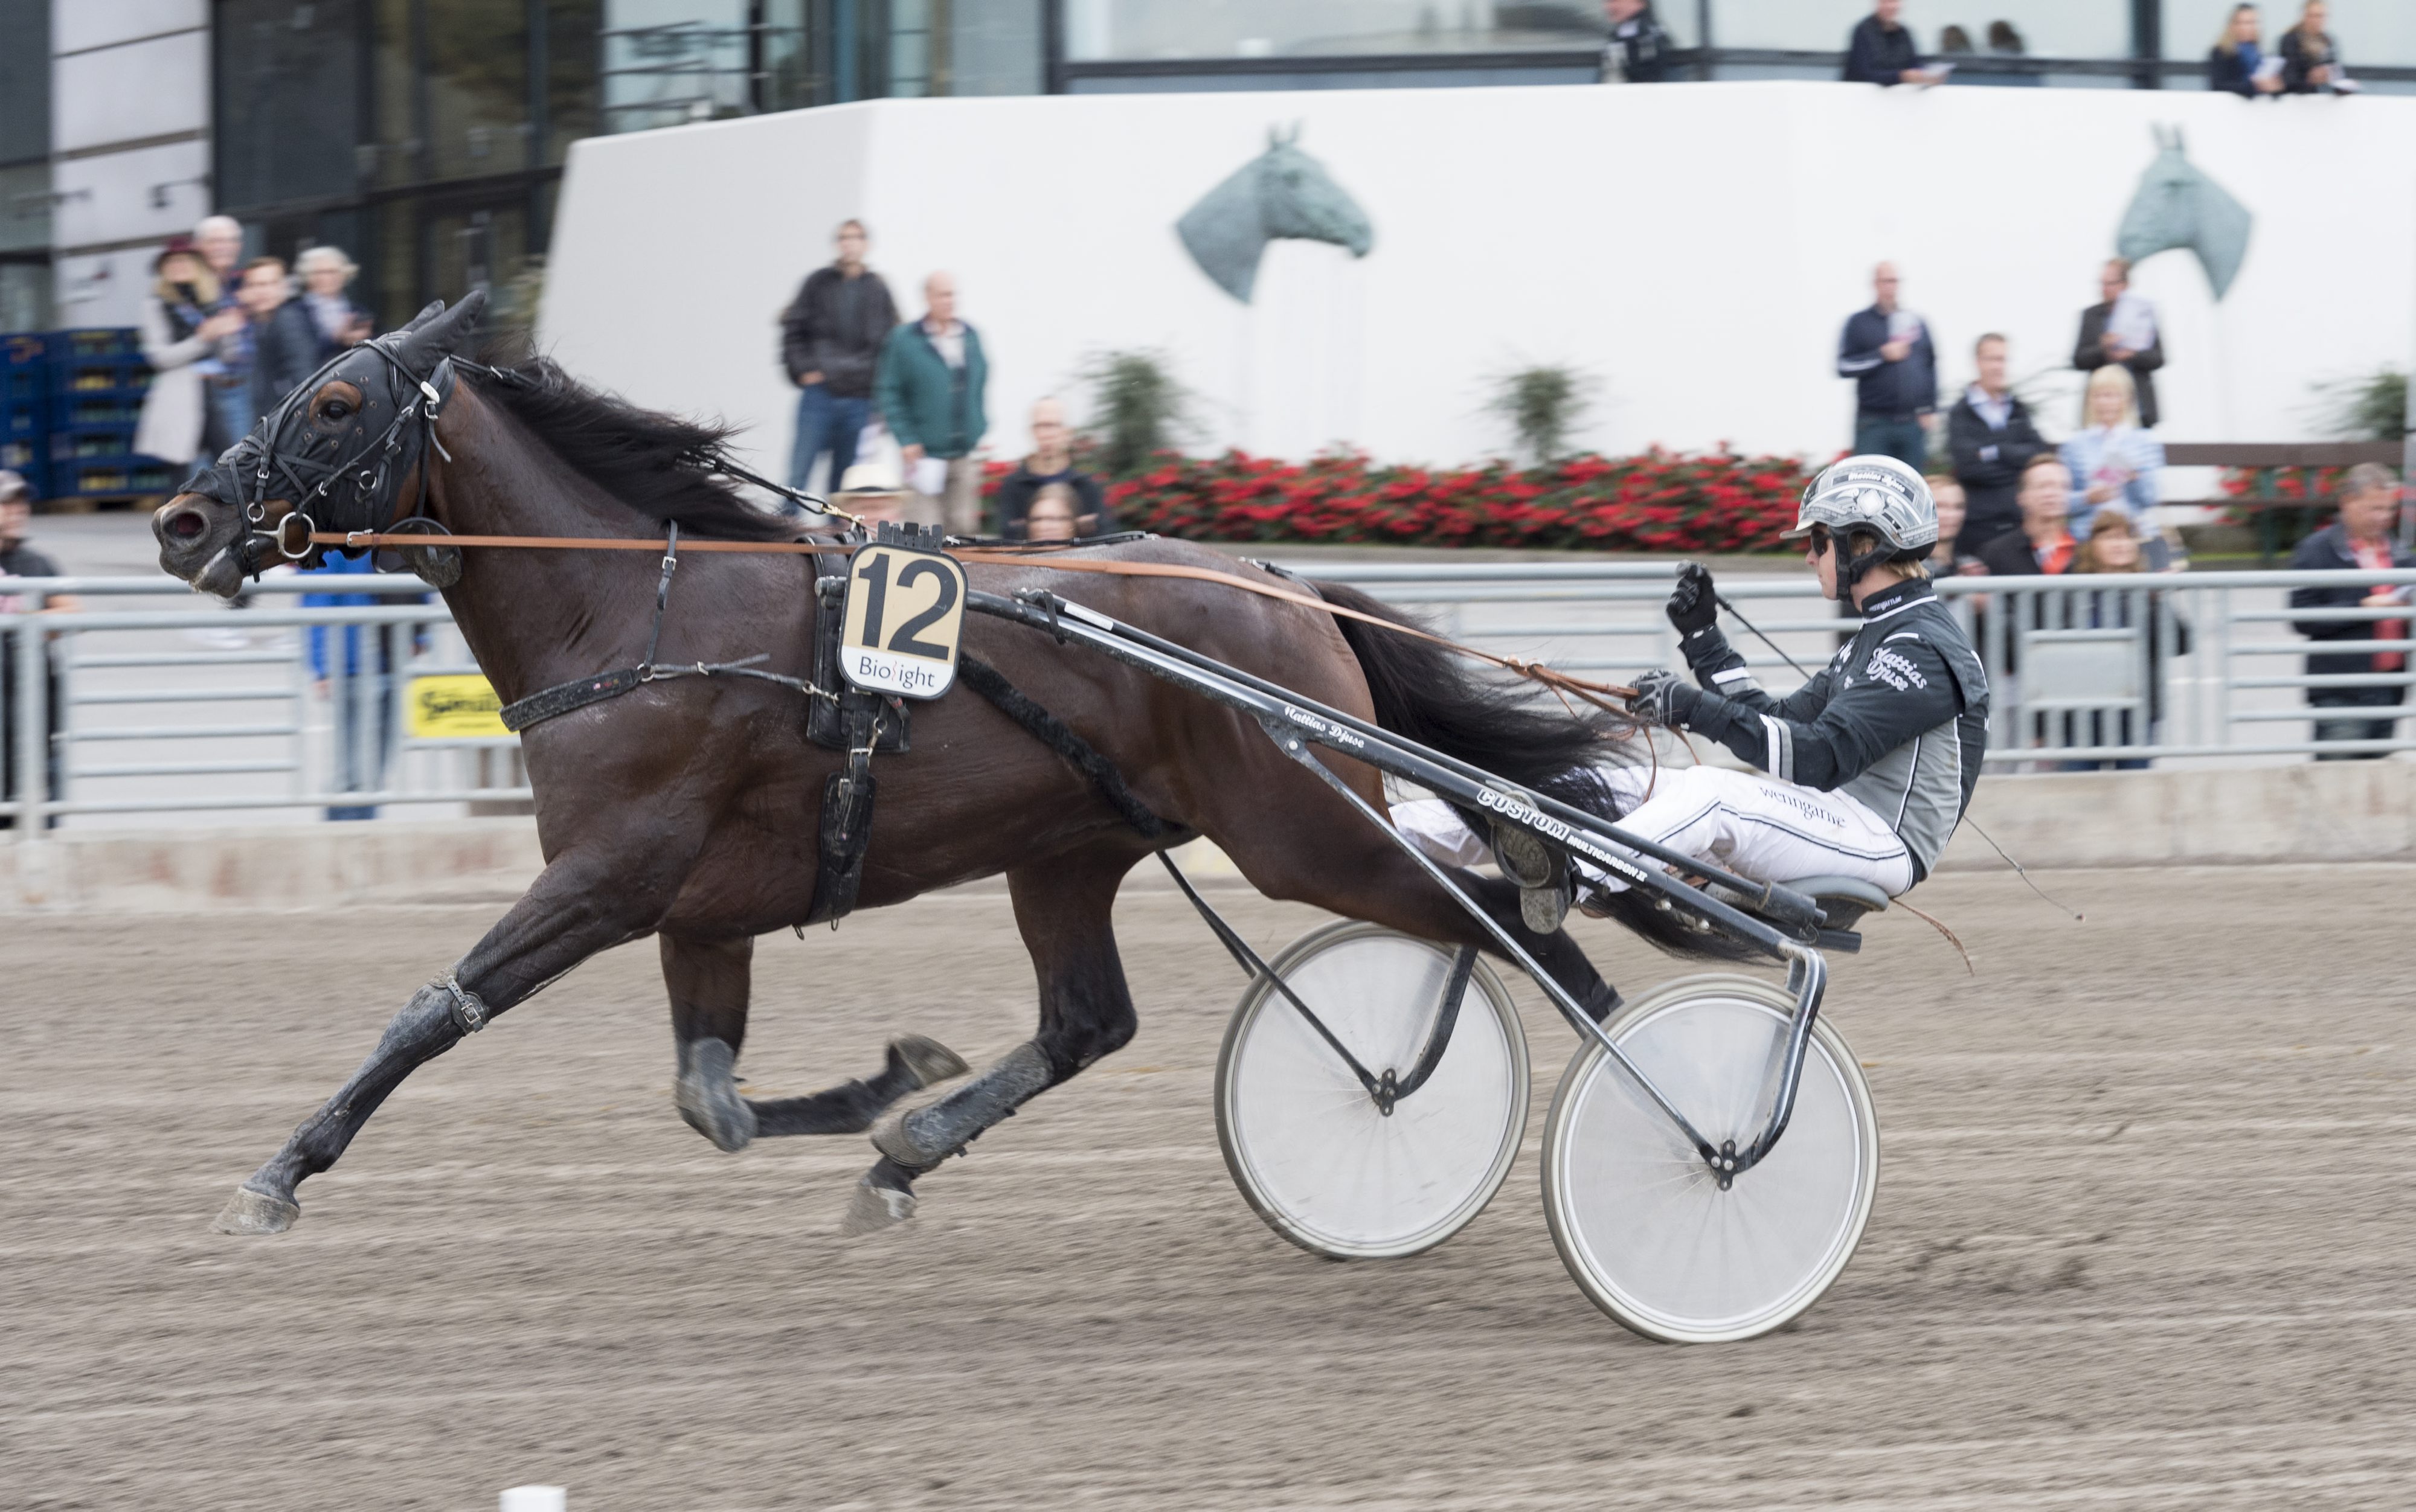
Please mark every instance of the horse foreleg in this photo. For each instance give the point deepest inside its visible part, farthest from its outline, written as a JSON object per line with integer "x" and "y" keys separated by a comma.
{"x": 1062, "y": 908}
{"x": 709, "y": 982}
{"x": 573, "y": 911}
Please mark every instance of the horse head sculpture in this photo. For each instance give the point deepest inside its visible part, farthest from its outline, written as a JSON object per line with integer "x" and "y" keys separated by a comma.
{"x": 2177, "y": 205}
{"x": 1283, "y": 192}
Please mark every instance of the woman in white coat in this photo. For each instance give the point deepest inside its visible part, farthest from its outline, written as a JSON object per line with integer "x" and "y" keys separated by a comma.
{"x": 183, "y": 318}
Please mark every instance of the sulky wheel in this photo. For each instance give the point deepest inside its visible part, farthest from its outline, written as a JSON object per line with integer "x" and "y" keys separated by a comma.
{"x": 1319, "y": 1157}
{"x": 1640, "y": 1219}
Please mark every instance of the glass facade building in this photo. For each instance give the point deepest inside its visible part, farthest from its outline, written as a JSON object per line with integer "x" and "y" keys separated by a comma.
{"x": 428, "y": 136}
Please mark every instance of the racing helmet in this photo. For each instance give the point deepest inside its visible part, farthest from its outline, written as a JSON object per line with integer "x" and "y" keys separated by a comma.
{"x": 1877, "y": 495}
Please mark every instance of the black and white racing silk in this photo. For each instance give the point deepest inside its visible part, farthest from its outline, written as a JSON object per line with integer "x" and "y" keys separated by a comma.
{"x": 1898, "y": 719}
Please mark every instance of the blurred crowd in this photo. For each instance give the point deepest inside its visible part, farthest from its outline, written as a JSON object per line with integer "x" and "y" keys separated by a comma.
{"x": 891, "y": 412}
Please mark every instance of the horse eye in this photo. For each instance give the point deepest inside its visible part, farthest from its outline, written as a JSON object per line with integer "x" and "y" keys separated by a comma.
{"x": 334, "y": 409}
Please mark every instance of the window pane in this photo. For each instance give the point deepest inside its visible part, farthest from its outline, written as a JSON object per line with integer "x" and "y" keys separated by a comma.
{"x": 669, "y": 61}
{"x": 394, "y": 144}
{"x": 2379, "y": 32}
{"x": 570, "y": 73}
{"x": 288, "y": 105}
{"x": 1117, "y": 29}
{"x": 24, "y": 82}
{"x": 994, "y": 47}
{"x": 478, "y": 86}
{"x": 2046, "y": 29}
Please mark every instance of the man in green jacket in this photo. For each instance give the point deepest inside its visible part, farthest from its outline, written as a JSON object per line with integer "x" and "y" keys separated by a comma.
{"x": 930, "y": 390}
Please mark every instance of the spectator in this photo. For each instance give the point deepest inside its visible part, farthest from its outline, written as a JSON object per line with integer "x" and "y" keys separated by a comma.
{"x": 2310, "y": 58}
{"x": 1051, "y": 516}
{"x": 2114, "y": 463}
{"x": 18, "y": 560}
{"x": 226, "y": 373}
{"x": 335, "y": 316}
{"x": 2043, "y": 548}
{"x": 1886, "y": 351}
{"x": 352, "y": 666}
{"x": 1991, "y": 438}
{"x": 183, "y": 319}
{"x": 2124, "y": 329}
{"x": 1881, "y": 51}
{"x": 830, "y": 340}
{"x": 2237, "y": 64}
{"x": 284, "y": 346}
{"x": 2006, "y": 42}
{"x": 1948, "y": 559}
{"x": 1955, "y": 41}
{"x": 1051, "y": 463}
{"x": 930, "y": 390}
{"x": 2115, "y": 548}
{"x": 1638, "y": 51}
{"x": 2359, "y": 541}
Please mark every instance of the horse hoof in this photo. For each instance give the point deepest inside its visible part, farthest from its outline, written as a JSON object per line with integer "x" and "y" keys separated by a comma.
{"x": 249, "y": 1212}
{"x": 706, "y": 1095}
{"x": 930, "y": 1061}
{"x": 875, "y": 1207}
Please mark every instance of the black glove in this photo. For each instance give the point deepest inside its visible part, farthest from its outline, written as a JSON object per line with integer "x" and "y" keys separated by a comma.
{"x": 1663, "y": 697}
{"x": 1693, "y": 606}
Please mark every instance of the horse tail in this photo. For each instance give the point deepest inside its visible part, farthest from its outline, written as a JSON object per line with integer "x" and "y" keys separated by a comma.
{"x": 1432, "y": 694}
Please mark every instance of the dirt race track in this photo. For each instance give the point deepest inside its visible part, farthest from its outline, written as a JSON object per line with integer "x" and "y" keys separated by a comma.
{"x": 2144, "y": 1238}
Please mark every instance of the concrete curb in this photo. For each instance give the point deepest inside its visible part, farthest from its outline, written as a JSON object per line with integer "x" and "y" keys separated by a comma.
{"x": 2360, "y": 811}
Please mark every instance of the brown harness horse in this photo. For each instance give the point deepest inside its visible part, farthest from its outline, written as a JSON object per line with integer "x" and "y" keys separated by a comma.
{"x": 689, "y": 809}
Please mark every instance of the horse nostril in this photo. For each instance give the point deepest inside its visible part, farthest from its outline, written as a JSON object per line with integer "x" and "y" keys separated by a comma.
{"x": 185, "y": 524}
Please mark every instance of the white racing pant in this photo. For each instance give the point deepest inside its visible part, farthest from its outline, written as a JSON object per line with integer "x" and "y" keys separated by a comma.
{"x": 1746, "y": 822}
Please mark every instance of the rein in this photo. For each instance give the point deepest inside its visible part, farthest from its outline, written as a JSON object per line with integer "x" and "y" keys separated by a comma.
{"x": 1559, "y": 682}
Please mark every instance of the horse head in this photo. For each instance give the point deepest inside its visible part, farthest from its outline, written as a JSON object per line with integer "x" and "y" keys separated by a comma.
{"x": 2177, "y": 206}
{"x": 1282, "y": 194}
{"x": 338, "y": 453}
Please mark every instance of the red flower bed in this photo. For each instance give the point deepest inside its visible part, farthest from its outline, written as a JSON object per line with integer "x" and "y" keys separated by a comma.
{"x": 1655, "y": 502}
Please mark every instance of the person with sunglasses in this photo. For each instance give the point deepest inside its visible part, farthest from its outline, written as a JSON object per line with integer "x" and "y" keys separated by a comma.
{"x": 1864, "y": 772}
{"x": 1867, "y": 769}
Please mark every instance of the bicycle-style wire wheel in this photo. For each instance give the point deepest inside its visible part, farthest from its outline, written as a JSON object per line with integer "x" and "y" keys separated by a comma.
{"x": 1640, "y": 1219}
{"x": 1313, "y": 1152}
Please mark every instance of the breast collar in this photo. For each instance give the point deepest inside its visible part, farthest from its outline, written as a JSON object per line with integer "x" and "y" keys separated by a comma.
{"x": 354, "y": 492}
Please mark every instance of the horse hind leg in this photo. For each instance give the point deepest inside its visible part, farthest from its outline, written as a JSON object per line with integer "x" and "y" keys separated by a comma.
{"x": 709, "y": 983}
{"x": 1086, "y": 1012}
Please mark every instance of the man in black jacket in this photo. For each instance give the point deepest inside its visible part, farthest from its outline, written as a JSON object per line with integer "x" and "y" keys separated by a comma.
{"x": 830, "y": 341}
{"x": 1991, "y": 437}
{"x": 2359, "y": 540}
{"x": 2124, "y": 329}
{"x": 1885, "y": 349}
{"x": 1881, "y": 51}
{"x": 1638, "y": 51}
{"x": 284, "y": 343}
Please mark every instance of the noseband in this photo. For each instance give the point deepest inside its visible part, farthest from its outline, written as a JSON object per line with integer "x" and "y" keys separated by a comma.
{"x": 357, "y": 492}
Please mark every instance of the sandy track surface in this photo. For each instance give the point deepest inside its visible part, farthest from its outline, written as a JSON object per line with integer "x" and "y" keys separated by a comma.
{"x": 2143, "y": 1238}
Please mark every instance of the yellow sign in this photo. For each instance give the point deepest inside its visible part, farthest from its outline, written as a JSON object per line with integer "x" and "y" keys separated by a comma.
{"x": 456, "y": 707}
{"x": 905, "y": 616}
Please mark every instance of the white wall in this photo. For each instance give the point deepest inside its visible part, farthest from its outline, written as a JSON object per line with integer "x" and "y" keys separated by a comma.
{"x": 130, "y": 114}
{"x": 1696, "y": 245}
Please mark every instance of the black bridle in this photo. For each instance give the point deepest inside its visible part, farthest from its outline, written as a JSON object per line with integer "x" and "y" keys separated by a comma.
{"x": 359, "y": 490}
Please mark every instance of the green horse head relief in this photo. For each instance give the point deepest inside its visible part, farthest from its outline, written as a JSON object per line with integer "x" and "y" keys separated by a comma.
{"x": 1281, "y": 193}
{"x": 2177, "y": 206}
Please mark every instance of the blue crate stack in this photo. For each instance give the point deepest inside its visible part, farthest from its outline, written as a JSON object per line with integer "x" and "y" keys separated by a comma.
{"x": 26, "y": 408}
{"x": 98, "y": 377}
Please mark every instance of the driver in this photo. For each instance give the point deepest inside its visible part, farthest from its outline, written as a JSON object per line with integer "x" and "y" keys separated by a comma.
{"x": 1866, "y": 770}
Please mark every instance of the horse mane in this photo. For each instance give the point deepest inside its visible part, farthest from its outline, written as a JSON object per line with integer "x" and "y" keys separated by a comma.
{"x": 662, "y": 466}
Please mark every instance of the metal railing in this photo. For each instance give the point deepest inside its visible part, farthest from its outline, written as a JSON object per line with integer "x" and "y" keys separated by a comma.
{"x": 2197, "y": 668}
{"x": 133, "y": 709}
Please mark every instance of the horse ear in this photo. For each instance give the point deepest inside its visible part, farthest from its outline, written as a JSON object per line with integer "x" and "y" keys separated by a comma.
{"x": 439, "y": 331}
{"x": 2177, "y": 138}
{"x": 1294, "y": 138}
{"x": 1275, "y": 136}
{"x": 435, "y": 307}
